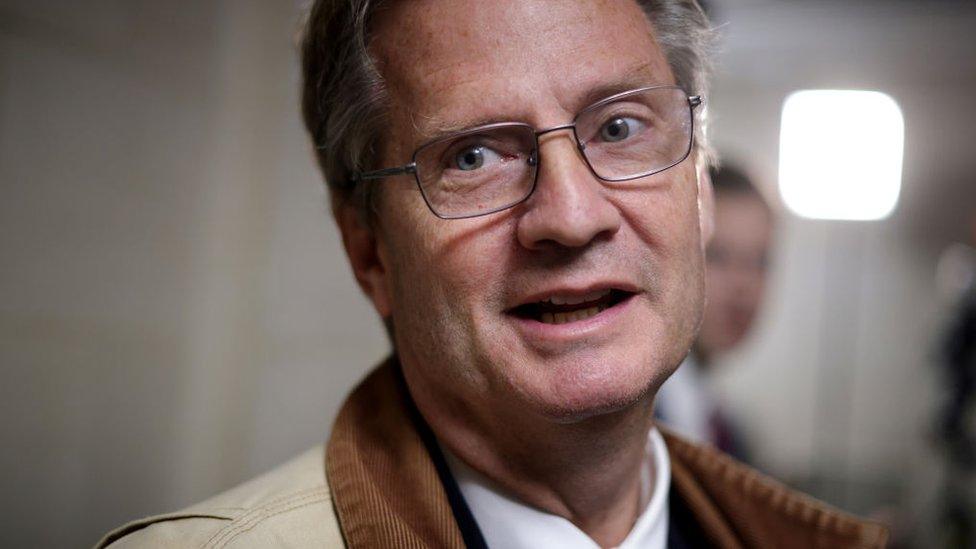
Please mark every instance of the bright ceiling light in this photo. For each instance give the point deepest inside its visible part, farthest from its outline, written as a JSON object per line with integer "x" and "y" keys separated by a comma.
{"x": 840, "y": 154}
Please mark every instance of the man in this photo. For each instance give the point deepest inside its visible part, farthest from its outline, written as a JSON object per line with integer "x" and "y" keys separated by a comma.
{"x": 736, "y": 260}
{"x": 518, "y": 195}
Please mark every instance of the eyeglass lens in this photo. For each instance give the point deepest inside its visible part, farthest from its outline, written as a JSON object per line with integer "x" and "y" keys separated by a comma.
{"x": 494, "y": 167}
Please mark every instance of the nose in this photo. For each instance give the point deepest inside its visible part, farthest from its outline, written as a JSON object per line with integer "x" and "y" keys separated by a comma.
{"x": 569, "y": 208}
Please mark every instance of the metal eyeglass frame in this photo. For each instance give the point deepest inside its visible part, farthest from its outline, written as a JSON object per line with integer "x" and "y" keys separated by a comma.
{"x": 411, "y": 168}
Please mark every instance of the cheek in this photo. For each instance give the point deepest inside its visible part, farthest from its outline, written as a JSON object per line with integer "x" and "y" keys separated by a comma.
{"x": 665, "y": 217}
{"x": 448, "y": 267}
{"x": 446, "y": 276}
{"x": 667, "y": 223}
{"x": 665, "y": 210}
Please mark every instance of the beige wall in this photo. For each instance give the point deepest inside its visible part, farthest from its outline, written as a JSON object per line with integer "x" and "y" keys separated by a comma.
{"x": 170, "y": 282}
{"x": 175, "y": 313}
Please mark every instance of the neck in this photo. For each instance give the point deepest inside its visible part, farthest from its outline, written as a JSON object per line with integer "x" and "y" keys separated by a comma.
{"x": 587, "y": 471}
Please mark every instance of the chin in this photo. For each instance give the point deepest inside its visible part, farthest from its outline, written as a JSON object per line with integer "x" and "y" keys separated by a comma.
{"x": 579, "y": 392}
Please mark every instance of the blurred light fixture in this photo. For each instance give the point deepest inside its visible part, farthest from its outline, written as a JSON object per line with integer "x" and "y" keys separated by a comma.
{"x": 840, "y": 154}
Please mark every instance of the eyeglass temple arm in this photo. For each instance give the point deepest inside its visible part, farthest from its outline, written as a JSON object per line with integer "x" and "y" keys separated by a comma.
{"x": 387, "y": 172}
{"x": 695, "y": 100}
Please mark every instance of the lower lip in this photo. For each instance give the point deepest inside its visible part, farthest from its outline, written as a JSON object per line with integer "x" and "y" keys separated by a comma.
{"x": 535, "y": 329}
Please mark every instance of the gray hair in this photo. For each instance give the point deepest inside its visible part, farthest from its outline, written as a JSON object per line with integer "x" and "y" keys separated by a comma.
{"x": 344, "y": 97}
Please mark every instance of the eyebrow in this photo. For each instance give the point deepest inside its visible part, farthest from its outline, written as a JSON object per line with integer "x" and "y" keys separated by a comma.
{"x": 436, "y": 130}
{"x": 635, "y": 77}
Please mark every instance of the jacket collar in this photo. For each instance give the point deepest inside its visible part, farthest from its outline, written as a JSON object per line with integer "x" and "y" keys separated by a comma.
{"x": 387, "y": 492}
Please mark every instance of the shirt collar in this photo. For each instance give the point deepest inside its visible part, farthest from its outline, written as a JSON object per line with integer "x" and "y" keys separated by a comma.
{"x": 505, "y": 521}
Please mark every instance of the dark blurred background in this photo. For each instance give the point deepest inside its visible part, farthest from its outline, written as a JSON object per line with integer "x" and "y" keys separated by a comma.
{"x": 176, "y": 314}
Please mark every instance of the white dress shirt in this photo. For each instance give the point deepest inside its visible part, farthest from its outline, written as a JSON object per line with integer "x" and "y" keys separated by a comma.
{"x": 507, "y": 523}
{"x": 686, "y": 404}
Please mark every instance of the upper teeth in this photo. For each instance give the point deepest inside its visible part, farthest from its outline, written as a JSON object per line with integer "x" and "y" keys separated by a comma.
{"x": 573, "y": 300}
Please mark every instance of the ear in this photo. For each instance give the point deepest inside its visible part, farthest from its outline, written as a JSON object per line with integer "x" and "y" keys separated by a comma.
{"x": 367, "y": 255}
{"x": 706, "y": 203}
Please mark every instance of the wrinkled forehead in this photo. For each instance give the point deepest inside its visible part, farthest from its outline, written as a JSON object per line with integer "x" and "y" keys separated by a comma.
{"x": 458, "y": 62}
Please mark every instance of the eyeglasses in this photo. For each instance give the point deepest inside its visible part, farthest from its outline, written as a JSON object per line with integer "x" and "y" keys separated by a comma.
{"x": 491, "y": 168}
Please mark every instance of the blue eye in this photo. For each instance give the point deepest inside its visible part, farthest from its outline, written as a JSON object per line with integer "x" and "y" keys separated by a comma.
{"x": 614, "y": 130}
{"x": 471, "y": 158}
{"x": 476, "y": 157}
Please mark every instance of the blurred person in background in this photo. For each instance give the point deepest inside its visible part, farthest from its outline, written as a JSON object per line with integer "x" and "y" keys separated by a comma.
{"x": 737, "y": 257}
{"x": 955, "y": 428}
{"x": 958, "y": 358}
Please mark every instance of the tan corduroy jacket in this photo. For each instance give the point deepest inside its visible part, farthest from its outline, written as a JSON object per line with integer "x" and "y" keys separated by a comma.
{"x": 375, "y": 485}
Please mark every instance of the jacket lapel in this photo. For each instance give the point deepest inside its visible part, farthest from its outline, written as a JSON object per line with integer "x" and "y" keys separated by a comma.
{"x": 386, "y": 490}
{"x": 736, "y": 506}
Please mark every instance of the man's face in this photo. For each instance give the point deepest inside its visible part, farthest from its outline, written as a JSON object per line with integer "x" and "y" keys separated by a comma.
{"x": 736, "y": 274}
{"x": 453, "y": 286}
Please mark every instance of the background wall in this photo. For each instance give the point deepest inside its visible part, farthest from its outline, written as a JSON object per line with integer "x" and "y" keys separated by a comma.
{"x": 176, "y": 314}
{"x": 170, "y": 284}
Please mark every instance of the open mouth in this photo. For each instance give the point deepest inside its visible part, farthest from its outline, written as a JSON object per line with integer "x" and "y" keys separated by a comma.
{"x": 564, "y": 309}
